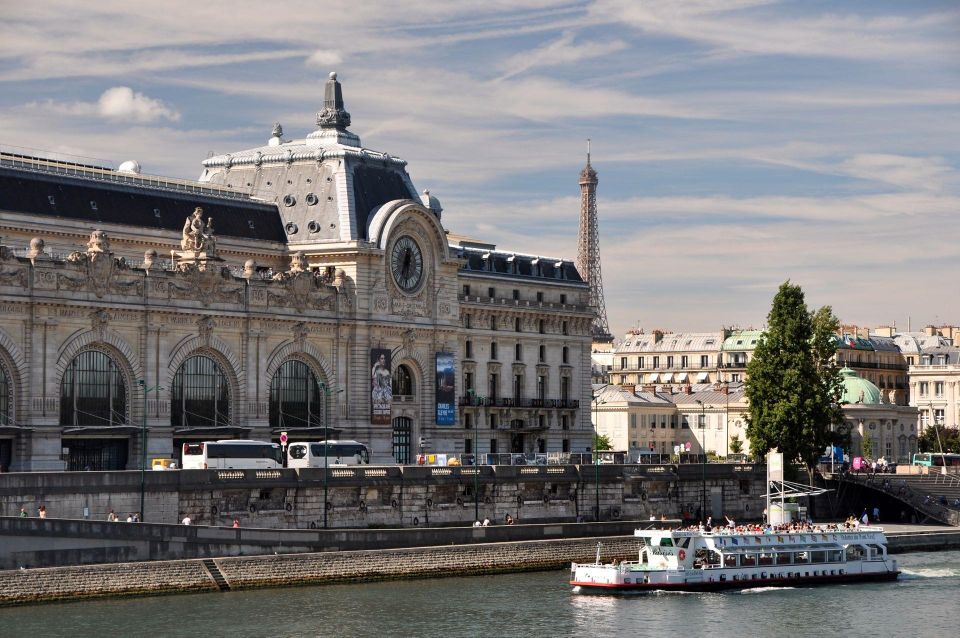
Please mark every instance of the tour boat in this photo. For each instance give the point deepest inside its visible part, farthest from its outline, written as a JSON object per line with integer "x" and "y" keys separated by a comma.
{"x": 680, "y": 560}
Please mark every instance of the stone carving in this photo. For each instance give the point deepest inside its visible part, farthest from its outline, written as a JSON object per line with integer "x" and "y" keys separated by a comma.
{"x": 197, "y": 237}
{"x": 36, "y": 248}
{"x": 249, "y": 269}
{"x": 300, "y": 332}
{"x": 98, "y": 269}
{"x": 202, "y": 282}
{"x": 205, "y": 326}
{"x": 98, "y": 322}
{"x": 149, "y": 256}
{"x": 301, "y": 288}
{"x": 17, "y": 274}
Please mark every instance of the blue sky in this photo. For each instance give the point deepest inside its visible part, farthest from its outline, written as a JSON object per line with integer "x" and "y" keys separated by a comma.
{"x": 739, "y": 143}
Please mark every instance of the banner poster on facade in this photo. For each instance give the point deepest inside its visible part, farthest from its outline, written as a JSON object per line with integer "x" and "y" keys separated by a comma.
{"x": 381, "y": 389}
{"x": 446, "y": 390}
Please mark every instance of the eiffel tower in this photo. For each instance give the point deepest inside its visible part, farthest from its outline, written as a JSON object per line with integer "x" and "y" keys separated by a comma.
{"x": 588, "y": 251}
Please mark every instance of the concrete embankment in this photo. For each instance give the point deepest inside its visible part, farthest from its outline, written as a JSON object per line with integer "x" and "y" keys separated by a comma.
{"x": 242, "y": 572}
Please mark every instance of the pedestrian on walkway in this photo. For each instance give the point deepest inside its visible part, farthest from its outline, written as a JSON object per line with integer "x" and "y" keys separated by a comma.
{"x": 42, "y": 511}
{"x": 112, "y": 517}
{"x": 236, "y": 523}
{"x": 186, "y": 520}
{"x": 23, "y": 512}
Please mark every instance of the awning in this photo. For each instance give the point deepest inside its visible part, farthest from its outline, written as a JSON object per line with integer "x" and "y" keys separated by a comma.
{"x": 681, "y": 377}
{"x": 702, "y": 377}
{"x": 654, "y": 376}
{"x": 666, "y": 377}
{"x": 101, "y": 429}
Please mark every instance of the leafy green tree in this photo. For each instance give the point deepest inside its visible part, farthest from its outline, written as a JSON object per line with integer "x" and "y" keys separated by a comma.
{"x": 793, "y": 387}
{"x": 867, "y": 446}
{"x": 601, "y": 442}
{"x": 736, "y": 445}
{"x": 937, "y": 435}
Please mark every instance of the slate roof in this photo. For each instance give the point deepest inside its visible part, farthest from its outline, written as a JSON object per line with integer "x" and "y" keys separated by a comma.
{"x": 96, "y": 200}
{"x": 517, "y": 265}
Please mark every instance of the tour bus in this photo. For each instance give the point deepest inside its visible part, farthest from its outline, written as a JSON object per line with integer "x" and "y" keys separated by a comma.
{"x": 317, "y": 454}
{"x": 232, "y": 454}
{"x": 936, "y": 459}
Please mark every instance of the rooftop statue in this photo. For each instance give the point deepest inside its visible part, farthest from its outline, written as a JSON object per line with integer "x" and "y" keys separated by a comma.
{"x": 198, "y": 238}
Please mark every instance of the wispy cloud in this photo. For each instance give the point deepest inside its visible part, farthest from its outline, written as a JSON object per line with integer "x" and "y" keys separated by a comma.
{"x": 560, "y": 51}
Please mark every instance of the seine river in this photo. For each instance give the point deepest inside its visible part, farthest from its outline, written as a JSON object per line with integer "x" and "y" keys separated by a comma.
{"x": 924, "y": 602}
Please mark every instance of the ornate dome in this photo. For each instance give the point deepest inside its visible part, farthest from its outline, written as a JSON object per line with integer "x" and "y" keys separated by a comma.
{"x": 857, "y": 389}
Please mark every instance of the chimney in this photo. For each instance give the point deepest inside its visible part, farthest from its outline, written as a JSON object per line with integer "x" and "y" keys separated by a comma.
{"x": 628, "y": 387}
{"x": 687, "y": 389}
{"x": 650, "y": 387}
{"x": 930, "y": 331}
{"x": 657, "y": 336}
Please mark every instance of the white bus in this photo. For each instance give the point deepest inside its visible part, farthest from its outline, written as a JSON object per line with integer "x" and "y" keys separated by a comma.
{"x": 232, "y": 454}
{"x": 317, "y": 454}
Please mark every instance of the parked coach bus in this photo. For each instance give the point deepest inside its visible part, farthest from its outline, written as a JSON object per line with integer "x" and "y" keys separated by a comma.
{"x": 232, "y": 454}
{"x": 337, "y": 452}
{"x": 936, "y": 459}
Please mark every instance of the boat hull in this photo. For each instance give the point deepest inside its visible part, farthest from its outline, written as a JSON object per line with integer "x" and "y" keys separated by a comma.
{"x": 726, "y": 585}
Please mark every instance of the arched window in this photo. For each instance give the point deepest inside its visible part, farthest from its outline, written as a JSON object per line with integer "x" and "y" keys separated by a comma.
{"x": 200, "y": 396}
{"x": 92, "y": 391}
{"x": 402, "y": 381}
{"x": 5, "y": 398}
{"x": 296, "y": 400}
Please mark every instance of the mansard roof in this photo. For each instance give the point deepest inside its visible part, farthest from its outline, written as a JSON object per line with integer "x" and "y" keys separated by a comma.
{"x": 490, "y": 262}
{"x": 102, "y": 196}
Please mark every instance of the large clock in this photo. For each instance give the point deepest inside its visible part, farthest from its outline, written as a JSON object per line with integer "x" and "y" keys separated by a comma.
{"x": 406, "y": 264}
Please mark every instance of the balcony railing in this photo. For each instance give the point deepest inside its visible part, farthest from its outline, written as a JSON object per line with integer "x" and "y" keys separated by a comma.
{"x": 510, "y": 402}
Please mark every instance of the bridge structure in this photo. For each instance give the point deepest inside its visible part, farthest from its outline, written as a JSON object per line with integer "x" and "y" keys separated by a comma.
{"x": 933, "y": 496}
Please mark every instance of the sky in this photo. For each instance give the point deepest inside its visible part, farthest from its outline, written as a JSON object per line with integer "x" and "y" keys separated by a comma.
{"x": 739, "y": 143}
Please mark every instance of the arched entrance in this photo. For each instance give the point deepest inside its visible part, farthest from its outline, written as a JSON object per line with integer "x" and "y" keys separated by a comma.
{"x": 93, "y": 411}
{"x": 402, "y": 439}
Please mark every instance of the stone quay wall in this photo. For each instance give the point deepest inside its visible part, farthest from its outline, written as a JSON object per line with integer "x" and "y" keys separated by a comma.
{"x": 18, "y": 587}
{"x": 394, "y": 496}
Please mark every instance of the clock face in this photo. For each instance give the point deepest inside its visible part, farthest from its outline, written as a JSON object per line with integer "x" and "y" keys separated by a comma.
{"x": 406, "y": 263}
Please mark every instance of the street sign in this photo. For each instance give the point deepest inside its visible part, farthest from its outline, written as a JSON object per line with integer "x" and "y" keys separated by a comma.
{"x": 424, "y": 442}
{"x": 687, "y": 446}
{"x": 283, "y": 439}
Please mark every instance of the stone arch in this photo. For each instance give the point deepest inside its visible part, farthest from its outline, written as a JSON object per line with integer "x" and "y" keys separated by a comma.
{"x": 416, "y": 362}
{"x": 111, "y": 342}
{"x": 308, "y": 353}
{"x": 387, "y": 216}
{"x": 116, "y": 347}
{"x": 218, "y": 350}
{"x": 14, "y": 365}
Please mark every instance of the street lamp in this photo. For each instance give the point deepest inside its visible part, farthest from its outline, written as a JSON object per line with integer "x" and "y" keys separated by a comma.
{"x": 476, "y": 463}
{"x": 326, "y": 450}
{"x": 596, "y": 434}
{"x": 143, "y": 444}
{"x": 703, "y": 456}
{"x": 726, "y": 422}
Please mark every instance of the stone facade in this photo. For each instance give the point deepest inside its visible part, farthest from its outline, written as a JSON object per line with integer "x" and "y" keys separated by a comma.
{"x": 312, "y": 260}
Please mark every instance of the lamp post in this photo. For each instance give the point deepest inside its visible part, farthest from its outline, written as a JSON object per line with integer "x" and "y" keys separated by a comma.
{"x": 326, "y": 450}
{"x": 596, "y": 434}
{"x": 143, "y": 445}
{"x": 476, "y": 463}
{"x": 726, "y": 422}
{"x": 703, "y": 456}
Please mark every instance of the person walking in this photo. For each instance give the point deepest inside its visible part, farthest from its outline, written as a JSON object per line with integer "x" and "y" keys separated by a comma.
{"x": 23, "y": 512}
{"x": 42, "y": 511}
{"x": 112, "y": 517}
{"x": 236, "y": 523}
{"x": 186, "y": 520}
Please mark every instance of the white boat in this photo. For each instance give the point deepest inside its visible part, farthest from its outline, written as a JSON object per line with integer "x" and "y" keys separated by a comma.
{"x": 675, "y": 560}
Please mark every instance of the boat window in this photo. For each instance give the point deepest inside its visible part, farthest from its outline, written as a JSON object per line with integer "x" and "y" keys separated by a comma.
{"x": 748, "y": 560}
{"x": 683, "y": 542}
{"x": 784, "y": 558}
{"x": 854, "y": 552}
{"x": 835, "y": 556}
{"x": 730, "y": 560}
{"x": 766, "y": 559}
{"x": 666, "y": 542}
{"x": 803, "y": 557}
{"x": 818, "y": 557}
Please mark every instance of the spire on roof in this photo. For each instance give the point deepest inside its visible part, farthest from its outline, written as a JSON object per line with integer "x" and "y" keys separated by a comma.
{"x": 333, "y": 114}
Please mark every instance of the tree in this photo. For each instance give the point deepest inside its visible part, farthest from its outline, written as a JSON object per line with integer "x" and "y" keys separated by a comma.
{"x": 867, "y": 446}
{"x": 792, "y": 386}
{"x": 937, "y": 435}
{"x": 736, "y": 445}
{"x": 601, "y": 442}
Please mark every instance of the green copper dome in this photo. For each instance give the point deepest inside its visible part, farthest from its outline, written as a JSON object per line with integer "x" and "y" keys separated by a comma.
{"x": 857, "y": 389}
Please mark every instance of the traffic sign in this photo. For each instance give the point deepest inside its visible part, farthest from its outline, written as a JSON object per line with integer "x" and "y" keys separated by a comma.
{"x": 283, "y": 438}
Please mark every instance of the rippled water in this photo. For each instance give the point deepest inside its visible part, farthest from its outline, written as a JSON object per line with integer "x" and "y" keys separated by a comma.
{"x": 924, "y": 602}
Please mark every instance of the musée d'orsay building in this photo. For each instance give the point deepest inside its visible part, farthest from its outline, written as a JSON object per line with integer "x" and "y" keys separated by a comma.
{"x": 300, "y": 285}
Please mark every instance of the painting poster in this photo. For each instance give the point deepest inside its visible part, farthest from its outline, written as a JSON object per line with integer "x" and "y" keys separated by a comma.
{"x": 446, "y": 389}
{"x": 381, "y": 389}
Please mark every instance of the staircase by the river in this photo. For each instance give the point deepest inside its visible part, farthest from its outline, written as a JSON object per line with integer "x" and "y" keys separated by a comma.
{"x": 934, "y": 496}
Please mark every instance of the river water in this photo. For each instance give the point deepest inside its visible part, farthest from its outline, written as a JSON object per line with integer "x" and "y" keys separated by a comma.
{"x": 924, "y": 602}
